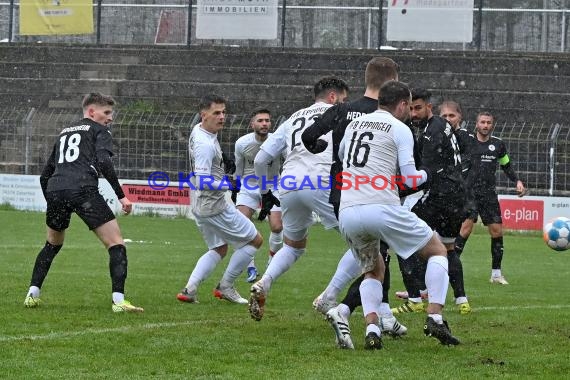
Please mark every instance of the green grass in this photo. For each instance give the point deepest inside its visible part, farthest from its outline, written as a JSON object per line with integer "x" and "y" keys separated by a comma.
{"x": 516, "y": 331}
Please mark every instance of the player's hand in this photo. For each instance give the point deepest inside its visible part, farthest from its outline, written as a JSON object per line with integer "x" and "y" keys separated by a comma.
{"x": 236, "y": 187}
{"x": 127, "y": 206}
{"x": 268, "y": 200}
{"x": 521, "y": 190}
{"x": 320, "y": 146}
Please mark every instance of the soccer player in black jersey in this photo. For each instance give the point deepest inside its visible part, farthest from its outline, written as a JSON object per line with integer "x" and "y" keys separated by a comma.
{"x": 488, "y": 151}
{"x": 442, "y": 205}
{"x": 379, "y": 70}
{"x": 70, "y": 184}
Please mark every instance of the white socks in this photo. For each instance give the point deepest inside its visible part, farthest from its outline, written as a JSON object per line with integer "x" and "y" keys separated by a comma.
{"x": 275, "y": 241}
{"x": 34, "y": 291}
{"x": 437, "y": 279}
{"x": 238, "y": 262}
{"x": 371, "y": 296}
{"x": 204, "y": 267}
{"x": 281, "y": 262}
{"x": 118, "y": 297}
{"x": 346, "y": 271}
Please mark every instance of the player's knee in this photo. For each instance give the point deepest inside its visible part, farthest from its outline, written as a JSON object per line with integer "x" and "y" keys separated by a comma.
{"x": 257, "y": 242}
{"x": 221, "y": 250}
{"x": 276, "y": 228}
{"x": 51, "y": 250}
{"x": 297, "y": 252}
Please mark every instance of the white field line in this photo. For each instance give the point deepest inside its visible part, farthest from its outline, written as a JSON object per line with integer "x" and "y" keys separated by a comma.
{"x": 93, "y": 331}
{"x": 156, "y": 326}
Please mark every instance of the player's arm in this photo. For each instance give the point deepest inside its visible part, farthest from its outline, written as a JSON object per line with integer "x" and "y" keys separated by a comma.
{"x": 103, "y": 154}
{"x": 239, "y": 159}
{"x": 261, "y": 166}
{"x": 323, "y": 124}
{"x": 412, "y": 179}
{"x": 508, "y": 169}
{"x": 48, "y": 170}
{"x": 105, "y": 167}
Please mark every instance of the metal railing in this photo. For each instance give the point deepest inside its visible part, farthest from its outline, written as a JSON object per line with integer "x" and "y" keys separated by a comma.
{"x": 158, "y": 141}
{"x": 497, "y": 25}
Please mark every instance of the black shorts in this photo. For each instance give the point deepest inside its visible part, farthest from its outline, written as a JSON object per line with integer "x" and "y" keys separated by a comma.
{"x": 443, "y": 214}
{"x": 87, "y": 203}
{"x": 487, "y": 206}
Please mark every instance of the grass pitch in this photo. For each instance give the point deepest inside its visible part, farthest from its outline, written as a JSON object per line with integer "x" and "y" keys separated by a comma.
{"x": 517, "y": 331}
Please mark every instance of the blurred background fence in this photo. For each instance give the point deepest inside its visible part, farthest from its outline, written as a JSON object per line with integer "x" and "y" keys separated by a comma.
{"x": 518, "y": 25}
{"x": 158, "y": 141}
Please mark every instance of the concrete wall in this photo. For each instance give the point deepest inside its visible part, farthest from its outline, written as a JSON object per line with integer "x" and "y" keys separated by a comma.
{"x": 515, "y": 87}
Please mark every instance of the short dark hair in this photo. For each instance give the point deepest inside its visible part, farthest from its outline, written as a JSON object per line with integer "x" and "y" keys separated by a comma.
{"x": 379, "y": 70}
{"x": 257, "y": 111}
{"x": 207, "y": 101}
{"x": 98, "y": 99}
{"x": 421, "y": 93}
{"x": 327, "y": 84}
{"x": 392, "y": 93}
{"x": 485, "y": 113}
{"x": 451, "y": 104}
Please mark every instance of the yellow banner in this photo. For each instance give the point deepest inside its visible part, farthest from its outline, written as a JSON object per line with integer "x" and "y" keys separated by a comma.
{"x": 48, "y": 17}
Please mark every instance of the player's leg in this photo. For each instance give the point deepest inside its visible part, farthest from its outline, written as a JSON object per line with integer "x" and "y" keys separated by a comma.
{"x": 92, "y": 208}
{"x": 43, "y": 262}
{"x": 449, "y": 228}
{"x": 406, "y": 234}
{"x": 247, "y": 202}
{"x": 437, "y": 281}
{"x": 471, "y": 216}
{"x": 491, "y": 217}
{"x": 276, "y": 227}
{"x": 464, "y": 233}
{"x": 297, "y": 218}
{"x": 58, "y": 216}
{"x": 496, "y": 232}
{"x": 347, "y": 269}
{"x": 235, "y": 229}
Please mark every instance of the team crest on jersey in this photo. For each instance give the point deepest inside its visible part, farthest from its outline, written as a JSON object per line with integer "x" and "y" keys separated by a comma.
{"x": 492, "y": 148}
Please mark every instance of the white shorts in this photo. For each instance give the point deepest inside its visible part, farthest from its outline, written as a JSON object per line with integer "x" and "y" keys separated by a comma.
{"x": 401, "y": 229}
{"x": 252, "y": 199}
{"x": 228, "y": 227}
{"x": 298, "y": 207}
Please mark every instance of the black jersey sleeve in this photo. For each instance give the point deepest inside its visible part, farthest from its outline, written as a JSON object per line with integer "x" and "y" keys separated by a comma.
{"x": 105, "y": 166}
{"x": 48, "y": 170}
{"x": 322, "y": 125}
{"x": 505, "y": 162}
{"x": 104, "y": 141}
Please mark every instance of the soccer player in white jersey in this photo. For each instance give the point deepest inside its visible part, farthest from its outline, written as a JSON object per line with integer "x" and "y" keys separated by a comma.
{"x": 377, "y": 152}
{"x": 219, "y": 222}
{"x": 248, "y": 199}
{"x": 304, "y": 186}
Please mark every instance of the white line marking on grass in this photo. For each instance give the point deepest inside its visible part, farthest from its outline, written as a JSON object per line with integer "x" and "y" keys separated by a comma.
{"x": 527, "y": 307}
{"x": 153, "y": 326}
{"x": 89, "y": 331}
